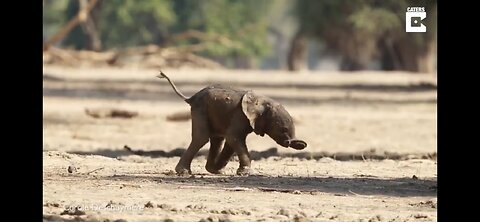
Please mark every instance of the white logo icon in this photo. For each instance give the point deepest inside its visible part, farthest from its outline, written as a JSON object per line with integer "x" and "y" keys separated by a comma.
{"x": 414, "y": 19}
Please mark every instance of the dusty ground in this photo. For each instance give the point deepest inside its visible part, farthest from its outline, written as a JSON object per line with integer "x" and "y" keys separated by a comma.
{"x": 384, "y": 126}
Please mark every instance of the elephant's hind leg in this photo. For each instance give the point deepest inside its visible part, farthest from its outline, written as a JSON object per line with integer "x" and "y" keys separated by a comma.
{"x": 200, "y": 136}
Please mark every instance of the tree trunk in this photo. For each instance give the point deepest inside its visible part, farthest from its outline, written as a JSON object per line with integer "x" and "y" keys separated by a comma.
{"x": 426, "y": 59}
{"x": 297, "y": 55}
{"x": 351, "y": 64}
{"x": 404, "y": 55}
{"x": 81, "y": 16}
{"x": 89, "y": 27}
{"x": 242, "y": 62}
{"x": 390, "y": 59}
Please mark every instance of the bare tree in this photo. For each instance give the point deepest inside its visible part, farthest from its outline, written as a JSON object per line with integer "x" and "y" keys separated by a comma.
{"x": 80, "y": 17}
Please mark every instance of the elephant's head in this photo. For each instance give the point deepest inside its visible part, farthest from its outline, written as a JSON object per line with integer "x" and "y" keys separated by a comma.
{"x": 267, "y": 116}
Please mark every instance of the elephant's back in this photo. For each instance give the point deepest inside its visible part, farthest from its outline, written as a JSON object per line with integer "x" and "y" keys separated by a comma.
{"x": 216, "y": 94}
{"x": 220, "y": 103}
{"x": 223, "y": 98}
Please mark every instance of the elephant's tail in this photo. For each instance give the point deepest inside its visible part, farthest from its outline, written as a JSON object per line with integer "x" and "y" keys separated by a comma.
{"x": 162, "y": 75}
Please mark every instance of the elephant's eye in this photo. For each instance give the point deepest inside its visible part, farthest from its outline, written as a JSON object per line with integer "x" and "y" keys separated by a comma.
{"x": 284, "y": 130}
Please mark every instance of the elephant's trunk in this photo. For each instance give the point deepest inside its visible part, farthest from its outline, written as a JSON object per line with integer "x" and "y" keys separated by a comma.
{"x": 297, "y": 144}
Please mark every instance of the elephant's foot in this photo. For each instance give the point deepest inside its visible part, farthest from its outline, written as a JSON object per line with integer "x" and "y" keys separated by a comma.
{"x": 183, "y": 170}
{"x": 244, "y": 171}
{"x": 214, "y": 170}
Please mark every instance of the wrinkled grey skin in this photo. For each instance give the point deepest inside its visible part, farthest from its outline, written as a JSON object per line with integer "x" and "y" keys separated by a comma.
{"x": 224, "y": 115}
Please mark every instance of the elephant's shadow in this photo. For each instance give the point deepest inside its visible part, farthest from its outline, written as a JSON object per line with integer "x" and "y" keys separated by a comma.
{"x": 287, "y": 184}
{"x": 402, "y": 187}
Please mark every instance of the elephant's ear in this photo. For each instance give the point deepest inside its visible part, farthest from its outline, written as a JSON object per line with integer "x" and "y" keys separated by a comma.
{"x": 252, "y": 107}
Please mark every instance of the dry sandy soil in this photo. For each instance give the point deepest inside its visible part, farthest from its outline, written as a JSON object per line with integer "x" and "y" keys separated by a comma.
{"x": 371, "y": 152}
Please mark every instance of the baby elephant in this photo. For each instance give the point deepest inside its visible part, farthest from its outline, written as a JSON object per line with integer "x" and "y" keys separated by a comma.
{"x": 223, "y": 114}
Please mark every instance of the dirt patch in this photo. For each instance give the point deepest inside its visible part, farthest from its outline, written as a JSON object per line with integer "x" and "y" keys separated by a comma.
{"x": 179, "y": 116}
{"x": 319, "y": 189}
{"x": 428, "y": 203}
{"x": 110, "y": 113}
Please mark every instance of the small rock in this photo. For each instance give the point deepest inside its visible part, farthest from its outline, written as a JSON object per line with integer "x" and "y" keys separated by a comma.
{"x": 211, "y": 219}
{"x": 214, "y": 211}
{"x": 418, "y": 216}
{"x": 333, "y": 217}
{"x": 72, "y": 169}
{"x": 199, "y": 207}
{"x": 229, "y": 211}
{"x": 224, "y": 220}
{"x": 297, "y": 192}
{"x": 149, "y": 205}
{"x": 244, "y": 212}
{"x": 377, "y": 218}
{"x": 415, "y": 177}
{"x": 170, "y": 173}
{"x": 283, "y": 212}
{"x": 52, "y": 205}
{"x": 300, "y": 218}
{"x": 164, "y": 206}
{"x": 74, "y": 212}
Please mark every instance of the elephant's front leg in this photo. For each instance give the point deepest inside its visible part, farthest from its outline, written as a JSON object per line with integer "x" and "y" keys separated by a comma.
{"x": 240, "y": 147}
{"x": 213, "y": 153}
{"x": 224, "y": 157}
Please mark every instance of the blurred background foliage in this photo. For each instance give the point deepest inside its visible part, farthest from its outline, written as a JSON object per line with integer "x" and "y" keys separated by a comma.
{"x": 266, "y": 34}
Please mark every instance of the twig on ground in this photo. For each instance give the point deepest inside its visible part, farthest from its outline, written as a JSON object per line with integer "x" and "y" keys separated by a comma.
{"x": 356, "y": 194}
{"x": 101, "y": 168}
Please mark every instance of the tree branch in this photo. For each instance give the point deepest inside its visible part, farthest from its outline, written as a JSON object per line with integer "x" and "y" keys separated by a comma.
{"x": 81, "y": 16}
